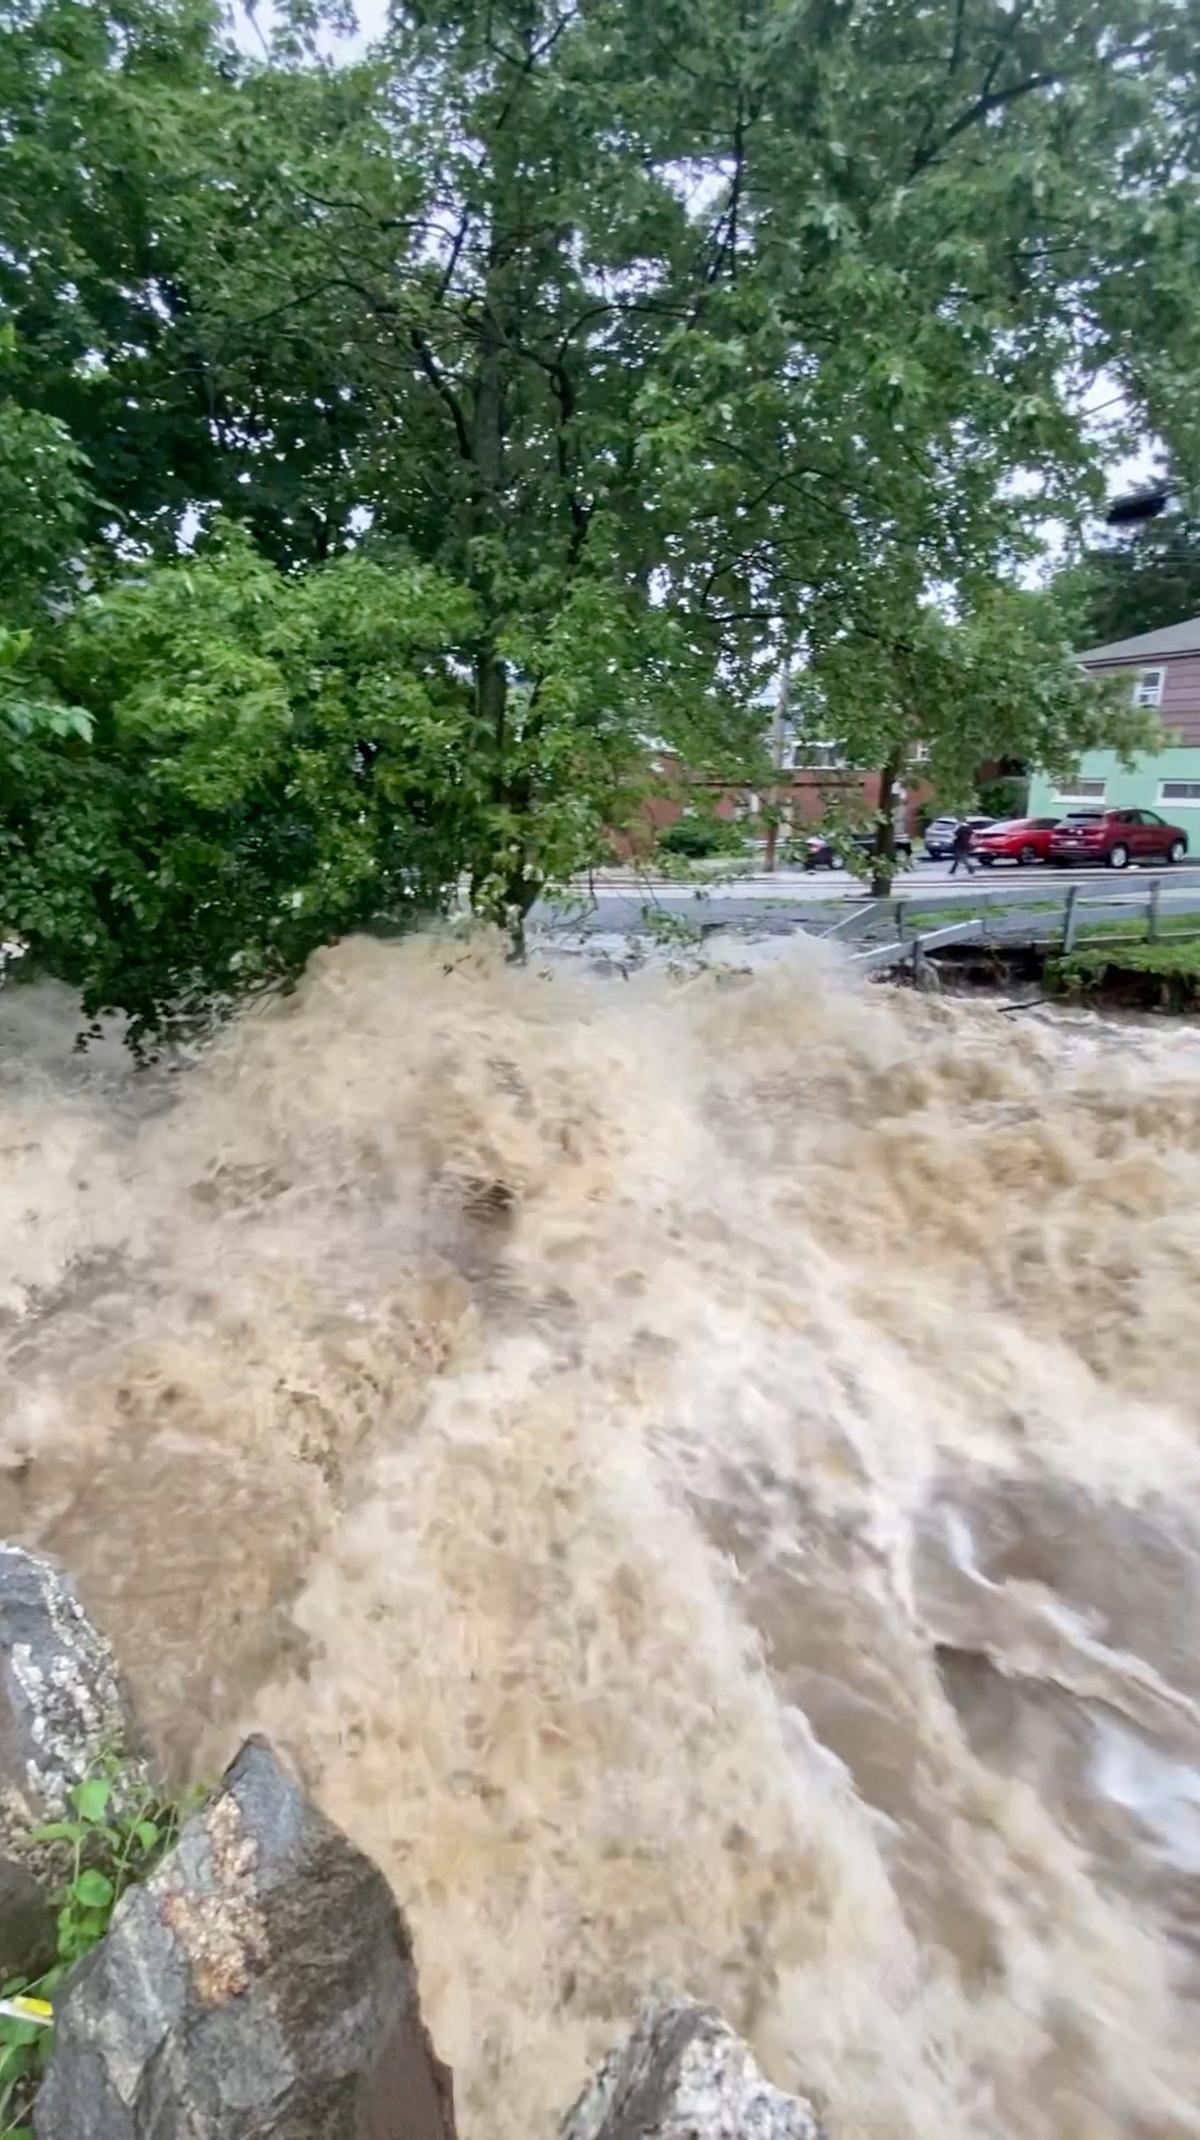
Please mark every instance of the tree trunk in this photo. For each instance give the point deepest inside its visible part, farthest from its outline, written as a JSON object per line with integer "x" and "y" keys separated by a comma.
{"x": 511, "y": 889}
{"x": 883, "y": 854}
{"x": 778, "y": 724}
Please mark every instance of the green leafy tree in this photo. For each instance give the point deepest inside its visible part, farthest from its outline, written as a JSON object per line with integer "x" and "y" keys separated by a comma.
{"x": 930, "y": 233}
{"x": 998, "y": 681}
{"x": 665, "y": 337}
{"x": 43, "y": 503}
{"x": 215, "y": 768}
{"x": 1005, "y": 795}
{"x": 909, "y": 254}
{"x": 100, "y": 100}
{"x": 1136, "y": 581}
{"x": 451, "y": 236}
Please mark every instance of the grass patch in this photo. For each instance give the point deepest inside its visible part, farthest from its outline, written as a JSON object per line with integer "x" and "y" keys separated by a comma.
{"x": 1177, "y": 926}
{"x": 918, "y": 918}
{"x": 1162, "y": 976}
{"x": 1131, "y": 930}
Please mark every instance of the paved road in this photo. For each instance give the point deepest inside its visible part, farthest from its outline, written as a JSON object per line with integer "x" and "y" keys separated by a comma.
{"x": 793, "y": 898}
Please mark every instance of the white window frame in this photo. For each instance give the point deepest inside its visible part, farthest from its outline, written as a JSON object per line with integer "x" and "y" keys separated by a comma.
{"x": 1188, "y": 801}
{"x": 831, "y": 758}
{"x": 1147, "y": 688}
{"x": 1074, "y": 792}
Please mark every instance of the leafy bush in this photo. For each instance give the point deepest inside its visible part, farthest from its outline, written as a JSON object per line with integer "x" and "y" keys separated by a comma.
{"x": 692, "y": 838}
{"x": 1006, "y": 796}
{"x": 215, "y": 768}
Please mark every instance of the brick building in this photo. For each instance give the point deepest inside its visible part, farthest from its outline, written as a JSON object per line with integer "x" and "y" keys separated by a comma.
{"x": 807, "y": 794}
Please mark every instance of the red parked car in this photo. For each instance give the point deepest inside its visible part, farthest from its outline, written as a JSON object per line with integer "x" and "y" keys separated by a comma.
{"x": 1116, "y": 838}
{"x": 1016, "y": 839}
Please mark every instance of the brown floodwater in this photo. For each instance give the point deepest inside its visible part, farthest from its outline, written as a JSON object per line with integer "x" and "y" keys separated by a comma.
{"x": 703, "y": 1479}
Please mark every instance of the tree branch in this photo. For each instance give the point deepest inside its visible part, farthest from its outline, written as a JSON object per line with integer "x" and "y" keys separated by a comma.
{"x": 381, "y": 309}
{"x": 445, "y": 393}
{"x": 992, "y": 100}
{"x": 927, "y": 151}
{"x": 956, "y": 49}
{"x": 562, "y": 386}
{"x": 727, "y": 227}
{"x": 455, "y": 249}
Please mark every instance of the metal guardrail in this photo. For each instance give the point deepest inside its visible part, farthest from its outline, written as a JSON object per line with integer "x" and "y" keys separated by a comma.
{"x": 1060, "y": 925}
{"x": 858, "y": 918}
{"x": 881, "y": 956}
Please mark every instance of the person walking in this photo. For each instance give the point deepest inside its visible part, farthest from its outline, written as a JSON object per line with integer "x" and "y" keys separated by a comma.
{"x": 962, "y": 850}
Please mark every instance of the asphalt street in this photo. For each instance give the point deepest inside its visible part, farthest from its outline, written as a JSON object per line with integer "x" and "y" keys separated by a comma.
{"x": 618, "y": 900}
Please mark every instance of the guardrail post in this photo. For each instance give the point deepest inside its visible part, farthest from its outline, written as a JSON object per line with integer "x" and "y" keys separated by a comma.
{"x": 1152, "y": 915}
{"x": 1068, "y": 935}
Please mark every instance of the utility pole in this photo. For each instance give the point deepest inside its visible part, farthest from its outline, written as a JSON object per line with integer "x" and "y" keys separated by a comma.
{"x": 778, "y": 731}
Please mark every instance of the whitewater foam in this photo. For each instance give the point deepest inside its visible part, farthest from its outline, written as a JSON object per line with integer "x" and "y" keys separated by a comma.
{"x": 703, "y": 1479}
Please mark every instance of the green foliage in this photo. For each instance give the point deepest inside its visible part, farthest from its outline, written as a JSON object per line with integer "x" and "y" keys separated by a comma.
{"x": 694, "y": 837}
{"x": 673, "y": 931}
{"x": 1137, "y": 580}
{"x": 43, "y": 497}
{"x": 101, "y": 102}
{"x": 118, "y": 1830}
{"x": 1005, "y": 796}
{"x": 216, "y": 767}
{"x": 1165, "y": 974}
{"x": 602, "y": 354}
{"x": 997, "y": 681}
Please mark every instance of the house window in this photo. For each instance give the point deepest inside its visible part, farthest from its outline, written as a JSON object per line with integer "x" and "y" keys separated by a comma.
{"x": 1080, "y": 790}
{"x": 815, "y": 757}
{"x": 1179, "y": 791}
{"x": 1148, "y": 687}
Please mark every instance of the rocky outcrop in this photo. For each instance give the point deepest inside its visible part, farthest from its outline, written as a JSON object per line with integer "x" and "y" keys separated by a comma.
{"x": 259, "y": 1982}
{"x": 28, "y": 1939}
{"x": 61, "y": 1706}
{"x": 683, "y": 2075}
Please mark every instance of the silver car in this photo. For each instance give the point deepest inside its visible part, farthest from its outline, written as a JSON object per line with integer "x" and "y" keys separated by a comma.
{"x": 939, "y": 836}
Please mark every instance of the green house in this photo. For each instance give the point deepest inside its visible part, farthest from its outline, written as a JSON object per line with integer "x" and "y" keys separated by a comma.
{"x": 1164, "y": 672}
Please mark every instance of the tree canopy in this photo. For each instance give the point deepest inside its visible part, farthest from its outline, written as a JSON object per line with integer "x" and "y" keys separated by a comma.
{"x": 565, "y": 365}
{"x": 940, "y": 699}
{"x": 1137, "y": 580}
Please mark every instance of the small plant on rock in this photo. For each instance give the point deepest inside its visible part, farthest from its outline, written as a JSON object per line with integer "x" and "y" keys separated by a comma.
{"x": 119, "y": 1828}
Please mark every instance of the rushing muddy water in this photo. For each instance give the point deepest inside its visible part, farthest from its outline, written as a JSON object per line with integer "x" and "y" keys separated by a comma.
{"x": 703, "y": 1479}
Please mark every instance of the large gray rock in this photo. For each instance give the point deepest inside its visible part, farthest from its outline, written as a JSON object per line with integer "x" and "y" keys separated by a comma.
{"x": 259, "y": 1982}
{"x": 61, "y": 1706}
{"x": 28, "y": 1934}
{"x": 683, "y": 2075}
